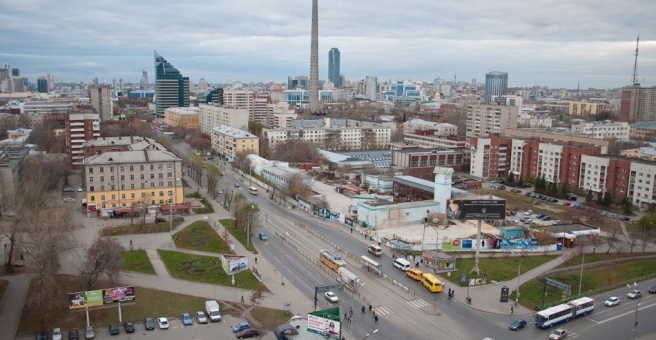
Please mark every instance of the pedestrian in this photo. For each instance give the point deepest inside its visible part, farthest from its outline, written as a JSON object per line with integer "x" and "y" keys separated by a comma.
{"x": 346, "y": 316}
{"x": 417, "y": 264}
{"x": 370, "y": 308}
{"x": 376, "y": 318}
{"x": 362, "y": 309}
{"x": 242, "y": 299}
{"x": 130, "y": 243}
{"x": 512, "y": 310}
{"x": 351, "y": 230}
{"x": 256, "y": 260}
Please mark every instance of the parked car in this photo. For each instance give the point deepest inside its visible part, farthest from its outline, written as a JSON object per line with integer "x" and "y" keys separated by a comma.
{"x": 558, "y": 334}
{"x": 528, "y": 220}
{"x": 179, "y": 219}
{"x": 79, "y": 189}
{"x": 546, "y": 218}
{"x": 624, "y": 218}
{"x": 513, "y": 212}
{"x": 56, "y": 333}
{"x": 89, "y": 332}
{"x": 129, "y": 327}
{"x": 42, "y": 335}
{"x": 634, "y": 294}
{"x": 149, "y": 324}
{"x": 528, "y": 193}
{"x": 114, "y": 330}
{"x": 69, "y": 190}
{"x": 540, "y": 216}
{"x": 554, "y": 200}
{"x": 163, "y": 323}
{"x": 248, "y": 333}
{"x": 237, "y": 185}
{"x": 160, "y": 220}
{"x": 240, "y": 327}
{"x": 330, "y": 296}
{"x": 200, "y": 316}
{"x": 186, "y": 319}
{"x": 567, "y": 204}
{"x": 517, "y": 325}
{"x": 73, "y": 334}
{"x": 528, "y": 212}
{"x": 612, "y": 301}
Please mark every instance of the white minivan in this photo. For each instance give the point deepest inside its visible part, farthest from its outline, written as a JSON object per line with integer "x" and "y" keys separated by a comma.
{"x": 402, "y": 264}
{"x": 375, "y": 250}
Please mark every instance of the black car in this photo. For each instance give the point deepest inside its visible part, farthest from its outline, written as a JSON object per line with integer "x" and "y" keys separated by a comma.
{"x": 149, "y": 323}
{"x": 43, "y": 335}
{"x": 73, "y": 334}
{"x": 517, "y": 325}
{"x": 129, "y": 327}
{"x": 248, "y": 333}
{"x": 160, "y": 220}
{"x": 114, "y": 330}
{"x": 652, "y": 290}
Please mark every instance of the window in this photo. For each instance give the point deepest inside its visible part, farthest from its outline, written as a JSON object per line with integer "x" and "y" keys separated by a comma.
{"x": 113, "y": 196}
{"x": 102, "y": 188}
{"x": 122, "y": 196}
{"x": 102, "y": 197}
{"x": 132, "y": 186}
{"x": 102, "y": 169}
{"x": 91, "y": 179}
{"x": 93, "y": 198}
{"x": 161, "y": 175}
{"x": 141, "y": 167}
{"x": 132, "y": 195}
{"x": 122, "y": 178}
{"x": 160, "y": 166}
{"x": 170, "y": 183}
{"x": 132, "y": 177}
{"x": 143, "y": 177}
{"x": 122, "y": 168}
{"x": 131, "y": 168}
{"x": 152, "y": 184}
{"x": 90, "y": 170}
{"x": 169, "y": 175}
{"x": 111, "y": 178}
{"x": 152, "y": 176}
{"x": 161, "y": 193}
{"x": 111, "y": 169}
{"x": 161, "y": 184}
{"x": 152, "y": 167}
{"x": 92, "y": 188}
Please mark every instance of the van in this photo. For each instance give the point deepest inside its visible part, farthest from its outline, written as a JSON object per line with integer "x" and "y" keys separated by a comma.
{"x": 414, "y": 273}
{"x": 212, "y": 309}
{"x": 402, "y": 264}
{"x": 375, "y": 250}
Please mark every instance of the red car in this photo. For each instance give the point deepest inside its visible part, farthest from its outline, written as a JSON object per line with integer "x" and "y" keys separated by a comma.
{"x": 567, "y": 204}
{"x": 248, "y": 333}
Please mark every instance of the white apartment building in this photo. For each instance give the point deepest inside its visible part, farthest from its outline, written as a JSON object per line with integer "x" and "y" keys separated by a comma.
{"x": 80, "y": 128}
{"x": 535, "y": 120}
{"x": 229, "y": 141}
{"x": 593, "y": 173}
{"x": 480, "y": 158}
{"x": 278, "y": 173}
{"x": 517, "y": 157}
{"x": 549, "y": 157}
{"x": 434, "y": 142}
{"x": 213, "y": 115}
{"x": 642, "y": 184}
{"x": 485, "y": 119}
{"x": 372, "y": 90}
{"x": 602, "y": 130}
{"x": 441, "y": 129}
{"x": 345, "y": 138}
{"x": 240, "y": 99}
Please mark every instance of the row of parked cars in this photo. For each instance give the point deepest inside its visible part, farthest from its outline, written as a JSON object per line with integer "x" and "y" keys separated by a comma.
{"x": 541, "y": 197}
{"x": 597, "y": 211}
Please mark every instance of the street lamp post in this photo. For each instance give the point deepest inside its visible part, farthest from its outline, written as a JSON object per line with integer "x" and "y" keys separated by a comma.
{"x": 635, "y": 322}
{"x": 582, "y": 264}
{"x": 368, "y": 335}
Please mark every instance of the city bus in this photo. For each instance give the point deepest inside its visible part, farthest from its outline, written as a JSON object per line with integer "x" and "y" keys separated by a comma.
{"x": 331, "y": 260}
{"x": 431, "y": 282}
{"x": 252, "y": 190}
{"x": 562, "y": 313}
{"x": 370, "y": 265}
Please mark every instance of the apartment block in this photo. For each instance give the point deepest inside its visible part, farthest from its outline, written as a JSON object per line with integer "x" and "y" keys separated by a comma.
{"x": 601, "y": 130}
{"x": 483, "y": 120}
{"x": 229, "y": 141}
{"x": 262, "y": 109}
{"x": 490, "y": 157}
{"x": 120, "y": 143}
{"x": 101, "y": 100}
{"x": 282, "y": 116}
{"x": 638, "y": 104}
{"x": 429, "y": 141}
{"x": 345, "y": 138}
{"x": 642, "y": 131}
{"x": 80, "y": 128}
{"x": 421, "y": 162}
{"x": 585, "y": 108}
{"x": 240, "y": 99}
{"x": 213, "y": 115}
{"x": 183, "y": 117}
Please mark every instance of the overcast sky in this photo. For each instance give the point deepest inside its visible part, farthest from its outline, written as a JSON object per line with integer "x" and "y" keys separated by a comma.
{"x": 556, "y": 43}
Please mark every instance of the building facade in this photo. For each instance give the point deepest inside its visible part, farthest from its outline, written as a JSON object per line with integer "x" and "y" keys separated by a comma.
{"x": 483, "y": 120}
{"x": 642, "y": 131}
{"x": 496, "y": 84}
{"x": 421, "y": 162}
{"x": 344, "y": 138}
{"x": 585, "y": 108}
{"x": 229, "y": 141}
{"x": 213, "y": 115}
{"x": 440, "y": 129}
{"x": 101, "y": 101}
{"x": 602, "y": 130}
{"x": 184, "y": 117}
{"x": 638, "y": 104}
{"x": 80, "y": 128}
{"x": 171, "y": 88}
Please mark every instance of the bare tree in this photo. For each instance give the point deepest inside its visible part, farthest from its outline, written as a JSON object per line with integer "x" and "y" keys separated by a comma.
{"x": 633, "y": 241}
{"x": 103, "y": 257}
{"x": 610, "y": 241}
{"x": 256, "y": 297}
{"x": 296, "y": 187}
{"x": 212, "y": 182}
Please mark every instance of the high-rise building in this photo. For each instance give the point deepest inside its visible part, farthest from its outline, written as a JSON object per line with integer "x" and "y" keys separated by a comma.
{"x": 314, "y": 59}
{"x": 371, "y": 88}
{"x": 101, "y": 101}
{"x": 171, "y": 88}
{"x": 42, "y": 85}
{"x": 333, "y": 66}
{"x": 15, "y": 72}
{"x": 80, "y": 128}
{"x": 496, "y": 84}
{"x": 485, "y": 119}
{"x": 144, "y": 78}
{"x": 638, "y": 104}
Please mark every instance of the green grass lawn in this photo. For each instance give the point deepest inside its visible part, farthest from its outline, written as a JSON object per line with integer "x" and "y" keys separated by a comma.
{"x": 149, "y": 303}
{"x": 229, "y": 224}
{"x": 136, "y": 228}
{"x": 137, "y": 261}
{"x": 600, "y": 256}
{"x": 499, "y": 268}
{"x": 205, "y": 269}
{"x": 206, "y": 209}
{"x": 200, "y": 236}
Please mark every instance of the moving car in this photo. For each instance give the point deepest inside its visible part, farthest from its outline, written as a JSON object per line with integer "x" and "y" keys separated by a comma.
{"x": 114, "y": 330}
{"x": 652, "y": 290}
{"x": 517, "y": 325}
{"x": 330, "y": 296}
{"x": 248, "y": 333}
{"x": 240, "y": 327}
{"x": 69, "y": 190}
{"x": 163, "y": 323}
{"x": 79, "y": 189}
{"x": 73, "y": 334}
{"x": 186, "y": 319}
{"x": 200, "y": 316}
{"x": 558, "y": 334}
{"x": 129, "y": 327}
{"x": 149, "y": 324}
{"x": 237, "y": 185}
{"x": 56, "y": 334}
{"x": 263, "y": 236}
{"x": 89, "y": 332}
{"x": 634, "y": 294}
{"x": 612, "y": 301}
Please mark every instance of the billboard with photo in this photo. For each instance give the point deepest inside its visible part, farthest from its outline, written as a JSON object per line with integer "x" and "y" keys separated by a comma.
{"x": 475, "y": 209}
{"x": 233, "y": 264}
{"x": 100, "y": 297}
{"x": 328, "y": 328}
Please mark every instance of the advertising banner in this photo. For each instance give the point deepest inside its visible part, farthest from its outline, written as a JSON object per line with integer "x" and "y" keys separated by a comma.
{"x": 91, "y": 298}
{"x": 118, "y": 294}
{"x": 325, "y": 327}
{"x": 480, "y": 209}
{"x": 233, "y": 264}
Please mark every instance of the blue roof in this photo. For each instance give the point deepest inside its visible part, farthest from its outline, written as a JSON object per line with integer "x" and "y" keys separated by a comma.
{"x": 651, "y": 125}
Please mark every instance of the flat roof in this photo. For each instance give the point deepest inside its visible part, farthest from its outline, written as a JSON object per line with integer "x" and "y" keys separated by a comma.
{"x": 415, "y": 182}
{"x": 232, "y": 132}
{"x": 568, "y": 228}
{"x": 125, "y": 157}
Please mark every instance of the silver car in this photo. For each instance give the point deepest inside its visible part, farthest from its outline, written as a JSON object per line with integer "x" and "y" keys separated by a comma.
{"x": 89, "y": 332}
{"x": 200, "y": 316}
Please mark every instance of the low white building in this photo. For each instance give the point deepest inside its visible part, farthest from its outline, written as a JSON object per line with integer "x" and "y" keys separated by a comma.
{"x": 278, "y": 173}
{"x": 602, "y": 130}
{"x": 441, "y": 129}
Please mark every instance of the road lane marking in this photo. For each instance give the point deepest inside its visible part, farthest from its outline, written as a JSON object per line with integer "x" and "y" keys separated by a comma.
{"x": 418, "y": 303}
{"x": 621, "y": 315}
{"x": 382, "y": 310}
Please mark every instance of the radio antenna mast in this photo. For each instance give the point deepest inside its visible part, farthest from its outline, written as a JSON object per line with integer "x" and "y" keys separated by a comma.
{"x": 635, "y": 64}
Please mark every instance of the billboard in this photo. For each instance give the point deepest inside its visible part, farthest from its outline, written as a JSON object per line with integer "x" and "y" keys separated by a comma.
{"x": 325, "y": 327}
{"x": 100, "y": 297}
{"x": 233, "y": 264}
{"x": 475, "y": 209}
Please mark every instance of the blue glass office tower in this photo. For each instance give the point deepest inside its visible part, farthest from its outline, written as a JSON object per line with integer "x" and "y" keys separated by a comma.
{"x": 171, "y": 88}
{"x": 333, "y": 66}
{"x": 496, "y": 84}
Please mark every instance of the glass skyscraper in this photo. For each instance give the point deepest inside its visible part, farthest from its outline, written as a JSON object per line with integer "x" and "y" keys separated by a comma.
{"x": 171, "y": 88}
{"x": 333, "y": 66}
{"x": 496, "y": 84}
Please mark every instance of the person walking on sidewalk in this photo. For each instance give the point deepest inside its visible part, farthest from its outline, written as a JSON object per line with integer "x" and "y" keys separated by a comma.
{"x": 511, "y": 310}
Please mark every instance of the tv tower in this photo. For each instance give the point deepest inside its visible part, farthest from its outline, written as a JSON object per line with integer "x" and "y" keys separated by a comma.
{"x": 314, "y": 59}
{"x": 634, "y": 81}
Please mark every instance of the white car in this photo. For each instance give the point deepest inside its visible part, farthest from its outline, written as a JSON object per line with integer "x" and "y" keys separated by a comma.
{"x": 528, "y": 212}
{"x": 163, "y": 323}
{"x": 79, "y": 189}
{"x": 56, "y": 334}
{"x": 612, "y": 301}
{"x": 634, "y": 294}
{"x": 330, "y": 296}
{"x": 200, "y": 316}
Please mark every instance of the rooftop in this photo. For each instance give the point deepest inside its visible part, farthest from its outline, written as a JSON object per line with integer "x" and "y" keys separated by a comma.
{"x": 127, "y": 157}
{"x": 232, "y": 132}
{"x": 645, "y": 125}
{"x": 415, "y": 182}
{"x": 183, "y": 110}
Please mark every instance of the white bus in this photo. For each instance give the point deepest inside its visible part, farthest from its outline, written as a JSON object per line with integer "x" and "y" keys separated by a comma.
{"x": 562, "y": 313}
{"x": 252, "y": 190}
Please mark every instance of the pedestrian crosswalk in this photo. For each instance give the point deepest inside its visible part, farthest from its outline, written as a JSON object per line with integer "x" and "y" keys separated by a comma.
{"x": 418, "y": 303}
{"x": 382, "y": 310}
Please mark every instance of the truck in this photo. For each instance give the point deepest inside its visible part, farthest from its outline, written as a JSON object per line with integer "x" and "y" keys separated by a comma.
{"x": 346, "y": 276}
{"x": 212, "y": 309}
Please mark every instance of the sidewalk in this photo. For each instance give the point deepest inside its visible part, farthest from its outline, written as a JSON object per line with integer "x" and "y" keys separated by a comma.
{"x": 11, "y": 307}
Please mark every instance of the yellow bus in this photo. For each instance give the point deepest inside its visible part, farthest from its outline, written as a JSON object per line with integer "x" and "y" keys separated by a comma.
{"x": 331, "y": 260}
{"x": 431, "y": 282}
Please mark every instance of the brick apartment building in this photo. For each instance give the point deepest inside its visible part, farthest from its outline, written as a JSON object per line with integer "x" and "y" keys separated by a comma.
{"x": 80, "y": 128}
{"x": 421, "y": 162}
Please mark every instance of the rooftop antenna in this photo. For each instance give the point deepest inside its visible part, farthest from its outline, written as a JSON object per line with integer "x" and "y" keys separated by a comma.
{"x": 635, "y": 64}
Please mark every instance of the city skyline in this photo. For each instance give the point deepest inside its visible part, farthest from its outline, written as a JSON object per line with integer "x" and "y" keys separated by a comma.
{"x": 560, "y": 44}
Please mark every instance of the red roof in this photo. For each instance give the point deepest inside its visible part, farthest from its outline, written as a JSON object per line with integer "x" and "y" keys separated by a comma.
{"x": 175, "y": 207}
